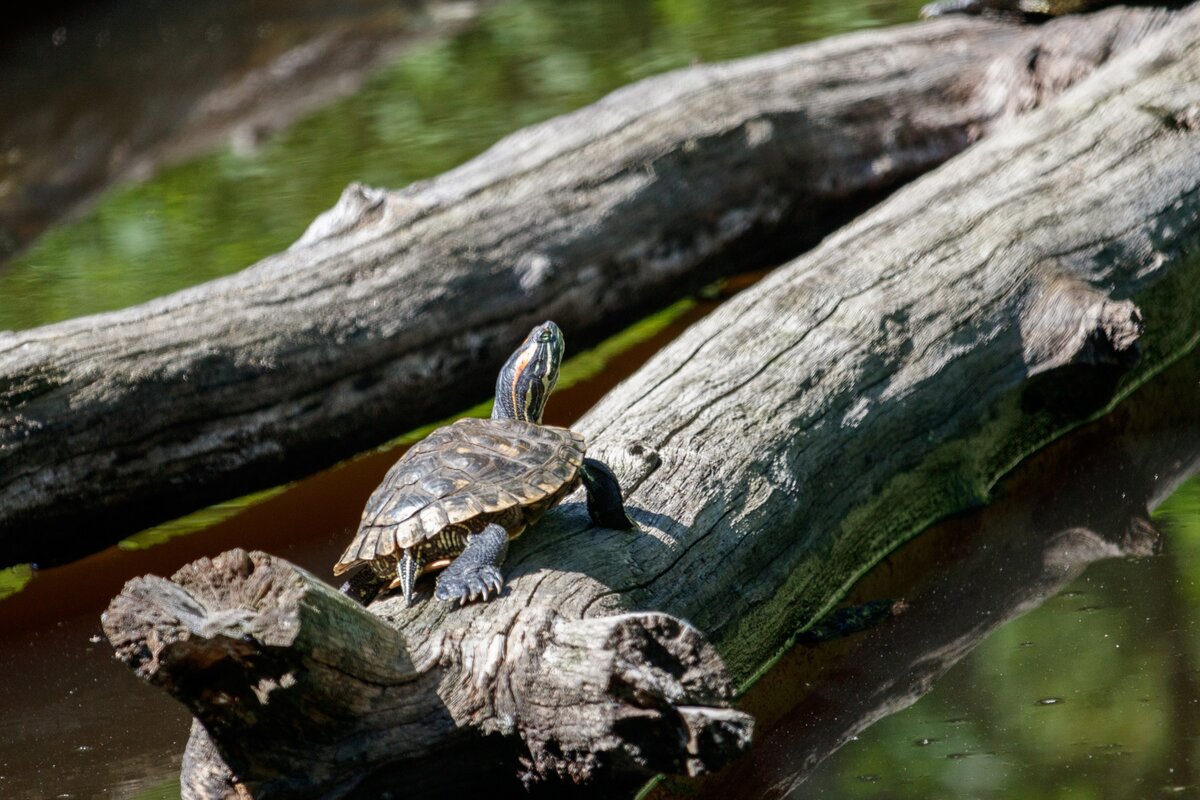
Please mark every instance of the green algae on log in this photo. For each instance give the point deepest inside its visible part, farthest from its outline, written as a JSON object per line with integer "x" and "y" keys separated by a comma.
{"x": 1088, "y": 496}
{"x": 784, "y": 444}
{"x": 395, "y": 308}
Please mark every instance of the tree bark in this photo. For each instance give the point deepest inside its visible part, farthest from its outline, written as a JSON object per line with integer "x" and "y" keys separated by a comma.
{"x": 395, "y": 308}
{"x": 786, "y": 443}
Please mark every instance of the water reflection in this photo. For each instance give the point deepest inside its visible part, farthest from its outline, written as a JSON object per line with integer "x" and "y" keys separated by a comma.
{"x": 107, "y": 92}
{"x": 73, "y": 722}
{"x": 1092, "y": 695}
{"x": 441, "y": 103}
{"x": 1120, "y": 672}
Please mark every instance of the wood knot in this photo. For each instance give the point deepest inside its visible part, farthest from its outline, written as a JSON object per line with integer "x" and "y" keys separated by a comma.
{"x": 1183, "y": 120}
{"x": 649, "y": 457}
{"x": 358, "y": 206}
{"x": 1070, "y": 322}
{"x": 1077, "y": 343}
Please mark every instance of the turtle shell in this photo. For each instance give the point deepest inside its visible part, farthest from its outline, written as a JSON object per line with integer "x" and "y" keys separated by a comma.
{"x": 466, "y": 472}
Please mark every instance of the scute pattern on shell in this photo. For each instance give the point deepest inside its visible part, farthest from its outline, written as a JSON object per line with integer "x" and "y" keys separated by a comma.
{"x": 470, "y": 469}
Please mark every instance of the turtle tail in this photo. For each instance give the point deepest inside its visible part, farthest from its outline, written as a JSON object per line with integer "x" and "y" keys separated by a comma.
{"x": 407, "y": 571}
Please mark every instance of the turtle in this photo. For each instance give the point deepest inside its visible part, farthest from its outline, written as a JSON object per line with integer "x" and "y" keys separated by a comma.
{"x": 455, "y": 499}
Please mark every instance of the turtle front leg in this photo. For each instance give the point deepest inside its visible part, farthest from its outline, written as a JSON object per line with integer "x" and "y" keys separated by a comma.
{"x": 476, "y": 571}
{"x": 604, "y": 502}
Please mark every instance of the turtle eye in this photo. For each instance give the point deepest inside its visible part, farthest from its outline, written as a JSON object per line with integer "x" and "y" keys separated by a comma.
{"x": 544, "y": 336}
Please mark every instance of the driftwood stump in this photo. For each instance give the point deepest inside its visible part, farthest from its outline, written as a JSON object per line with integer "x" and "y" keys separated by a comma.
{"x": 771, "y": 455}
{"x": 396, "y": 308}
{"x": 293, "y": 681}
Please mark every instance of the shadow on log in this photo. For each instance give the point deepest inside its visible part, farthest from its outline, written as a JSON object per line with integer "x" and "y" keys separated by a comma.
{"x": 396, "y": 308}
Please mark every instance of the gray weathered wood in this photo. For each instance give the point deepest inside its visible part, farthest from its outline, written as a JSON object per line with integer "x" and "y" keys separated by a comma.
{"x": 396, "y": 308}
{"x": 292, "y": 681}
{"x": 890, "y": 376}
{"x": 786, "y": 443}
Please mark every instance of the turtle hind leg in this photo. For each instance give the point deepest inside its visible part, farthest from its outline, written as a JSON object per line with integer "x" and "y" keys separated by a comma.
{"x": 476, "y": 571}
{"x": 377, "y": 577}
{"x": 363, "y": 586}
{"x": 604, "y": 502}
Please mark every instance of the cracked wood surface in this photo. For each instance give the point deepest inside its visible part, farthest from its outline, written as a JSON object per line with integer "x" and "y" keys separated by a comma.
{"x": 395, "y": 307}
{"x": 299, "y": 693}
{"x": 786, "y": 443}
{"x": 890, "y": 376}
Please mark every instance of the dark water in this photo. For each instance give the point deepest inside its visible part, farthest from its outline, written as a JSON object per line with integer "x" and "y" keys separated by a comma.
{"x": 1094, "y": 695}
{"x": 102, "y": 93}
{"x": 1026, "y": 665}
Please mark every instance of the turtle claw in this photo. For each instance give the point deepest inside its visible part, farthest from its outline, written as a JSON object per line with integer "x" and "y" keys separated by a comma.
{"x": 481, "y": 582}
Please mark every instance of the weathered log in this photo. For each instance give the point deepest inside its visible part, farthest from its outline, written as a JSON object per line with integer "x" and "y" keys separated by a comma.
{"x": 888, "y": 378}
{"x": 271, "y": 658}
{"x": 1030, "y": 9}
{"x": 1087, "y": 497}
{"x": 395, "y": 308}
{"x": 786, "y": 443}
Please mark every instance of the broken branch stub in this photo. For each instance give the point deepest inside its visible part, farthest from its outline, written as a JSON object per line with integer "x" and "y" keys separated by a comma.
{"x": 1077, "y": 342}
{"x": 300, "y": 692}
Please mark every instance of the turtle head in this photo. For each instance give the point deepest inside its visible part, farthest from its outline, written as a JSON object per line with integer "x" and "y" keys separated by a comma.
{"x": 529, "y": 375}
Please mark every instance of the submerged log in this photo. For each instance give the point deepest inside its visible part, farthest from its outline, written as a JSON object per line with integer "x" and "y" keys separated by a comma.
{"x": 771, "y": 455}
{"x": 396, "y": 308}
